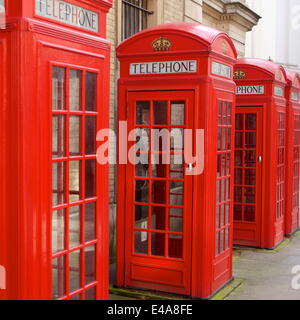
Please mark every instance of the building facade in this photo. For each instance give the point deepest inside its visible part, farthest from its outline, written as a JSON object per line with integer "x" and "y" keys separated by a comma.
{"x": 128, "y": 17}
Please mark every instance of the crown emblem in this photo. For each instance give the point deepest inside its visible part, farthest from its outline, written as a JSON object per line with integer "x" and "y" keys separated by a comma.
{"x": 161, "y": 44}
{"x": 239, "y": 74}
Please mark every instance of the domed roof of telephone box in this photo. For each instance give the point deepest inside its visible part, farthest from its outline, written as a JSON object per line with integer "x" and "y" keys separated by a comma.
{"x": 178, "y": 37}
{"x": 293, "y": 78}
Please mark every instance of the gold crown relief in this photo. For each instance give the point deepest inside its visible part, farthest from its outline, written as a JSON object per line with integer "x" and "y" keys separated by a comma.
{"x": 161, "y": 44}
{"x": 239, "y": 74}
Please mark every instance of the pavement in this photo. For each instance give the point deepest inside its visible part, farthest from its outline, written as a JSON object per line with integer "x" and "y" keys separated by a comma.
{"x": 258, "y": 275}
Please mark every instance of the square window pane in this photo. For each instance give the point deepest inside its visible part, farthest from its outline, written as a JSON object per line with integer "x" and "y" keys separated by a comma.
{"x": 141, "y": 217}
{"x": 90, "y": 178}
{"x": 142, "y": 170}
{"x": 142, "y": 191}
{"x": 90, "y": 135}
{"x": 176, "y": 212}
{"x": 177, "y": 113}
{"x": 159, "y": 218}
{"x": 75, "y": 89}
{"x": 90, "y": 264}
{"x": 177, "y": 140}
{"x": 141, "y": 242}
{"x": 58, "y": 179}
{"x": 90, "y": 294}
{"x": 58, "y": 88}
{"x": 251, "y": 122}
{"x": 249, "y": 213}
{"x": 250, "y": 140}
{"x": 250, "y": 177}
{"x": 175, "y": 246}
{"x": 238, "y": 176}
{"x": 239, "y": 121}
{"x": 90, "y": 91}
{"x": 176, "y": 166}
{"x": 238, "y": 194}
{"x": 160, "y": 112}
{"x": 158, "y": 244}
{"x": 89, "y": 221}
{"x": 176, "y": 224}
{"x": 74, "y": 225}
{"x": 239, "y": 140}
{"x": 249, "y": 195}
{"x": 238, "y": 213}
{"x": 159, "y": 192}
{"x": 143, "y": 112}
{"x": 58, "y": 136}
{"x": 238, "y": 158}
{"x": 74, "y": 180}
{"x": 74, "y": 271}
{"x": 75, "y": 130}
{"x": 58, "y": 231}
{"x": 58, "y": 278}
{"x": 250, "y": 159}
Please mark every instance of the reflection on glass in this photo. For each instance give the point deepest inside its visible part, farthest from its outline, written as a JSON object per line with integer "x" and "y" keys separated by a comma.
{"x": 158, "y": 244}
{"x": 159, "y": 218}
{"x": 74, "y": 180}
{"x": 90, "y": 264}
{"x": 74, "y": 226}
{"x": 90, "y": 178}
{"x": 143, "y": 112}
{"x": 175, "y": 246}
{"x": 75, "y": 89}
{"x": 58, "y": 231}
{"x": 90, "y": 135}
{"x": 177, "y": 140}
{"x": 90, "y": 91}
{"x": 176, "y": 167}
{"x": 58, "y": 136}
{"x": 89, "y": 221}
{"x": 58, "y": 179}
{"x": 175, "y": 224}
{"x": 74, "y": 135}
{"x": 141, "y": 191}
{"x": 141, "y": 217}
{"x": 90, "y": 294}
{"x": 58, "y": 278}
{"x": 160, "y": 112}
{"x": 177, "y": 113}
{"x": 141, "y": 242}
{"x": 176, "y": 212}
{"x": 58, "y": 88}
{"x": 142, "y": 170}
{"x": 74, "y": 270}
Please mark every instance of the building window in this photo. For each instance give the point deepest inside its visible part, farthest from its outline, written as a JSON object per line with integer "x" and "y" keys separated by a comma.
{"x": 134, "y": 17}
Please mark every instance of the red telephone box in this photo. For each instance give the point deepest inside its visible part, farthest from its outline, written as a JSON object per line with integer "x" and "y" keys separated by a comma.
{"x": 54, "y": 211}
{"x": 260, "y": 148}
{"x": 174, "y": 225}
{"x": 293, "y": 153}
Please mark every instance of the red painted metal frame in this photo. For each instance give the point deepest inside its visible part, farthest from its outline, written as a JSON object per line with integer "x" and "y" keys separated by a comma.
{"x": 269, "y": 75}
{"x": 292, "y": 154}
{"x": 208, "y": 272}
{"x": 28, "y": 47}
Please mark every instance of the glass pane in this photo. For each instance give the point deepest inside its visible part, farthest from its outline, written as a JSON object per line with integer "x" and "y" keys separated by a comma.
{"x": 58, "y": 178}
{"x": 249, "y": 195}
{"x": 175, "y": 246}
{"x": 159, "y": 192}
{"x": 239, "y": 121}
{"x": 250, "y": 159}
{"x": 158, "y": 244}
{"x": 74, "y": 270}
{"x": 227, "y": 238}
{"x": 141, "y": 242}
{"x": 177, "y": 113}
{"x": 250, "y": 140}
{"x": 222, "y": 240}
{"x": 75, "y": 135}
{"x": 251, "y": 122}
{"x": 228, "y": 145}
{"x": 142, "y": 170}
{"x": 143, "y": 112}
{"x": 239, "y": 140}
{"x": 220, "y": 118}
{"x": 238, "y": 176}
{"x": 160, "y": 112}
{"x": 58, "y": 278}
{"x": 238, "y": 213}
{"x": 74, "y": 226}
{"x": 250, "y": 177}
{"x": 227, "y": 212}
{"x": 74, "y": 181}
{"x": 229, "y": 113}
{"x": 89, "y": 221}
{"x": 142, "y": 191}
{"x": 159, "y": 170}
{"x": 238, "y": 158}
{"x": 75, "y": 89}
{"x": 218, "y": 213}
{"x": 58, "y": 136}
{"x": 89, "y": 255}
{"x": 58, "y": 231}
{"x": 90, "y": 135}
{"x": 177, "y": 140}
{"x": 176, "y": 167}
{"x": 90, "y": 294}
{"x": 141, "y": 217}
{"x": 249, "y": 214}
{"x": 176, "y": 212}
{"x": 217, "y": 243}
{"x": 238, "y": 194}
{"x": 159, "y": 218}
{"x": 75, "y": 298}
{"x": 176, "y": 225}
{"x": 219, "y": 139}
{"x": 58, "y": 88}
{"x": 90, "y": 179}
{"x": 90, "y": 91}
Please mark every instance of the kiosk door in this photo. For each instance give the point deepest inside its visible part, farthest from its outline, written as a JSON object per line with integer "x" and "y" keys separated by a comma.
{"x": 159, "y": 200}
{"x": 248, "y": 175}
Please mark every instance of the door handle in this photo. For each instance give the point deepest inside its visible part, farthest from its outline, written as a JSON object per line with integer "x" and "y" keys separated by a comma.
{"x": 260, "y": 159}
